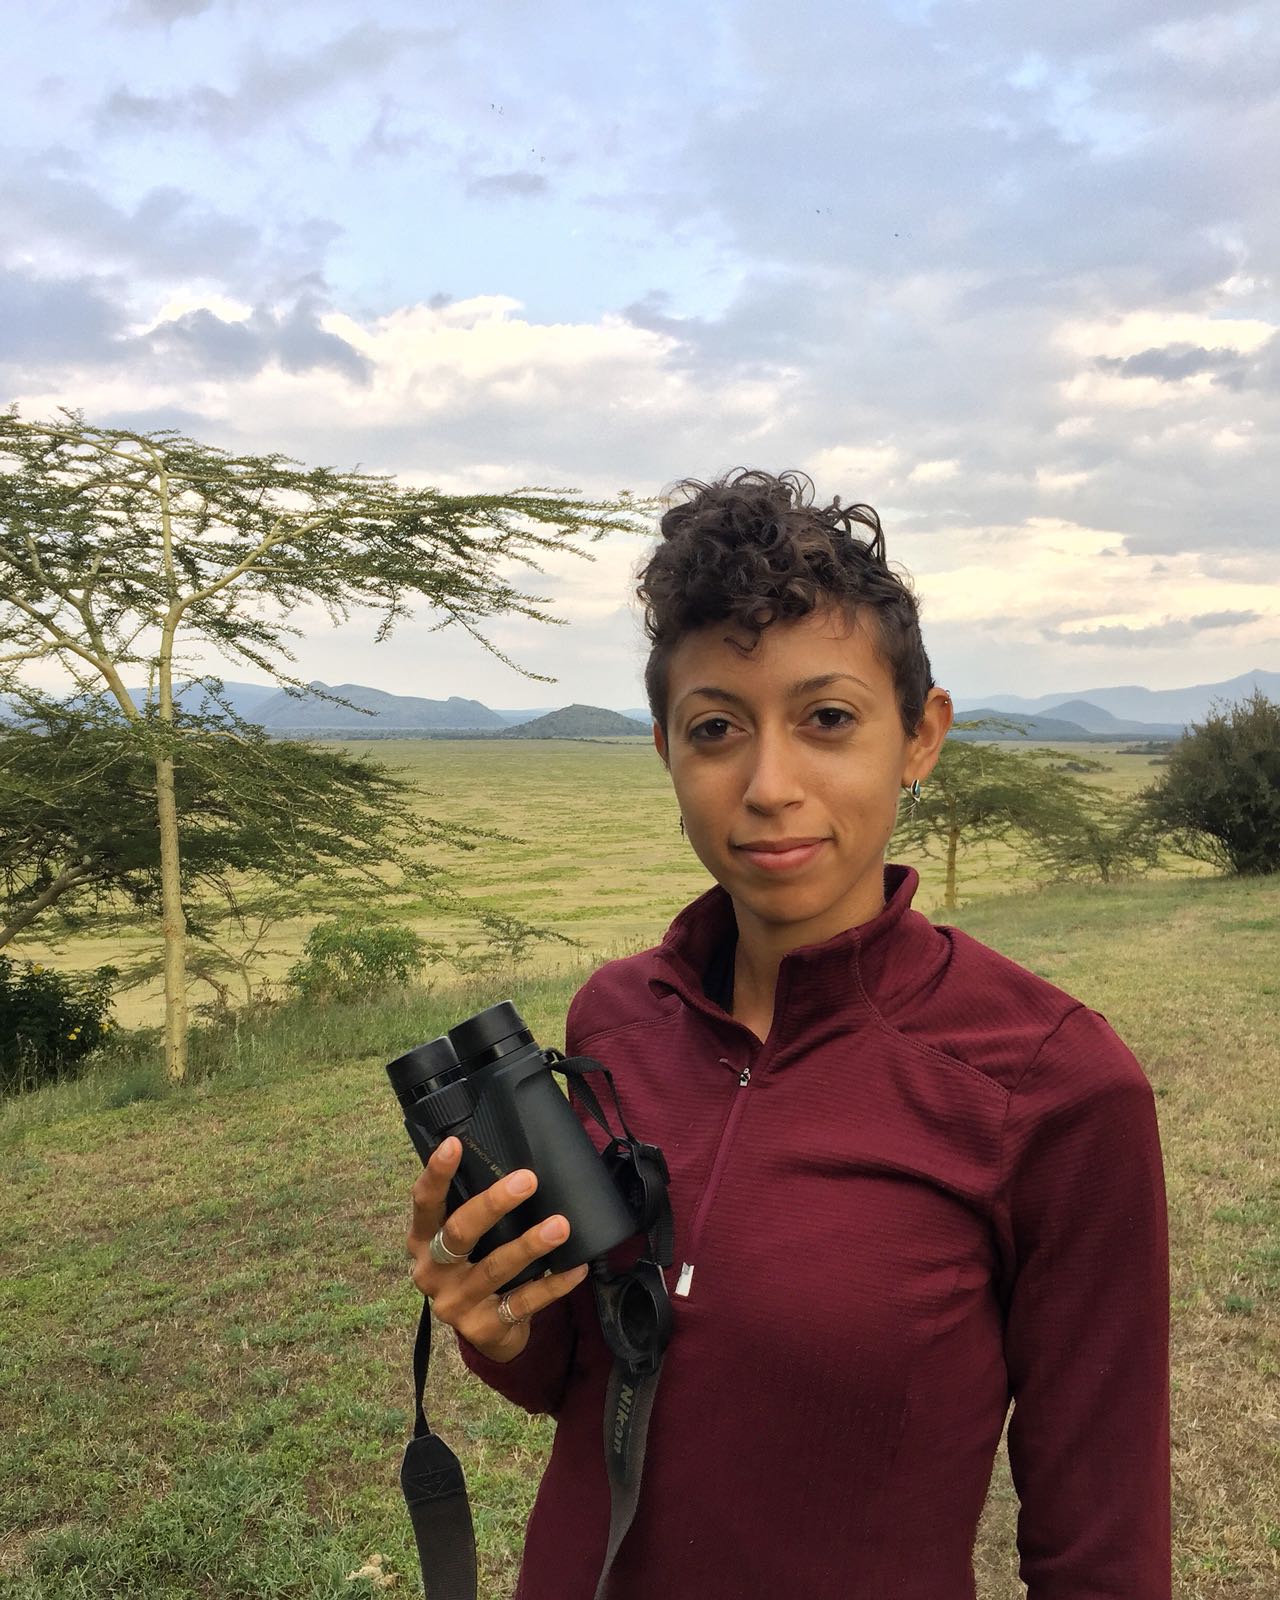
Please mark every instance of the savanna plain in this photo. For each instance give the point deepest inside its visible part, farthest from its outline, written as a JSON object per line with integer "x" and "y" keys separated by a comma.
{"x": 205, "y": 1317}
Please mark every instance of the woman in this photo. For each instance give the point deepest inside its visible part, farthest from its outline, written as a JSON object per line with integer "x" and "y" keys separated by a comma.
{"x": 911, "y": 1181}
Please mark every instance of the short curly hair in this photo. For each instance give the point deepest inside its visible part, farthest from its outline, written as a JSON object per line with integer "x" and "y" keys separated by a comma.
{"x": 751, "y": 549}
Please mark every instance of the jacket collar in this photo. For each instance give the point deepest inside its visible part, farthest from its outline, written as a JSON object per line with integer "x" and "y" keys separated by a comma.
{"x": 882, "y": 964}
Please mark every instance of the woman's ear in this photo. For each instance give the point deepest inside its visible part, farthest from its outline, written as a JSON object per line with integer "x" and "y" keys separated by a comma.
{"x": 926, "y": 744}
{"x": 660, "y": 744}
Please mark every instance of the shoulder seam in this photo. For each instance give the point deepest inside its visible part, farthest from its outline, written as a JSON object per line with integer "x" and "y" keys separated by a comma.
{"x": 1040, "y": 1048}
{"x": 625, "y": 1027}
{"x": 920, "y": 1048}
{"x": 1001, "y": 1173}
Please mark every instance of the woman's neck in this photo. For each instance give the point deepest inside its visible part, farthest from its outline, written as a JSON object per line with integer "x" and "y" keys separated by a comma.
{"x": 759, "y": 953}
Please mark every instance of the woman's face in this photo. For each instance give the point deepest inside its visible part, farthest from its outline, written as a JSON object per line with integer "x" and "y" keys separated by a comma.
{"x": 788, "y": 762}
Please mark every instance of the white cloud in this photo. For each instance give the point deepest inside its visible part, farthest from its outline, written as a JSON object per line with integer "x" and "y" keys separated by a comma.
{"x": 1026, "y": 574}
{"x": 843, "y": 469}
{"x": 1059, "y": 482}
{"x": 1132, "y": 333}
{"x": 933, "y": 471}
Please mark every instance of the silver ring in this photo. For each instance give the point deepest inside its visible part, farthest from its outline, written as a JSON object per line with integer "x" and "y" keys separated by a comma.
{"x": 440, "y": 1252}
{"x": 506, "y": 1316}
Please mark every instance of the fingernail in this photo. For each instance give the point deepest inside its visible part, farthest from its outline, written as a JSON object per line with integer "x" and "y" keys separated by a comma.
{"x": 520, "y": 1183}
{"x": 554, "y": 1230}
{"x": 450, "y": 1148}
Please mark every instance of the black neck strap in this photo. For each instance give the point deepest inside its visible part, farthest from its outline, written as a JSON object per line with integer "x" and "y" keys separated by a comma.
{"x": 635, "y": 1319}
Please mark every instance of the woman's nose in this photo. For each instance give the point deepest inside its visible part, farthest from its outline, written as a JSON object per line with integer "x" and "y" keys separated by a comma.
{"x": 773, "y": 781}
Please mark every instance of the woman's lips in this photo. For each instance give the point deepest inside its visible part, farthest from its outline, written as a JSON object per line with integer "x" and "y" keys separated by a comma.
{"x": 786, "y": 858}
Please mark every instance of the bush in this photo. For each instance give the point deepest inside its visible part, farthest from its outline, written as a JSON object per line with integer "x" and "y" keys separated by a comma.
{"x": 349, "y": 959}
{"x": 49, "y": 1022}
{"x": 1219, "y": 799}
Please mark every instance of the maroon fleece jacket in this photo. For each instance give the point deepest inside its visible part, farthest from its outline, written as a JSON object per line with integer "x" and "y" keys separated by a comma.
{"x": 935, "y": 1188}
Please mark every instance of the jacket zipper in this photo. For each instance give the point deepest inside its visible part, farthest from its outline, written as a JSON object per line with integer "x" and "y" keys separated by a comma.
{"x": 684, "y": 1283}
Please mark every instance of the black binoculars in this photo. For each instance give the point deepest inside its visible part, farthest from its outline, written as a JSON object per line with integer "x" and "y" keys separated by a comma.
{"x": 489, "y": 1084}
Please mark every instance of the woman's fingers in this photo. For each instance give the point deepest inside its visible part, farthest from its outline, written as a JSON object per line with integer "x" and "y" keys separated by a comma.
{"x": 460, "y": 1284}
{"x": 481, "y": 1325}
{"x": 464, "y": 1295}
{"x": 431, "y": 1188}
{"x": 530, "y": 1298}
{"x": 504, "y": 1263}
{"x": 472, "y": 1220}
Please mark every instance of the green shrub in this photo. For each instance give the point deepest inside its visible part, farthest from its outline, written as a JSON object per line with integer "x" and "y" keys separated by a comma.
{"x": 1219, "y": 799}
{"x": 49, "y": 1022}
{"x": 349, "y": 959}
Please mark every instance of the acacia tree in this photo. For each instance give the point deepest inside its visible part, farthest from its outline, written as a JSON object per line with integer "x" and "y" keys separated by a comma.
{"x": 259, "y": 816}
{"x": 122, "y": 550}
{"x": 979, "y": 793}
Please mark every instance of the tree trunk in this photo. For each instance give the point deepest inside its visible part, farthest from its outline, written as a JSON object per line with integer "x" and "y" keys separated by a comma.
{"x": 953, "y": 845}
{"x": 174, "y": 924}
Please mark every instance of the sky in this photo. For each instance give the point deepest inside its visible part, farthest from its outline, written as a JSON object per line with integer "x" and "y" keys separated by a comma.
{"x": 1008, "y": 271}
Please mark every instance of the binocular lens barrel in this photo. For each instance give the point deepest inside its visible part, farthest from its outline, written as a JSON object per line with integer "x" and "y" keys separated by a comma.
{"x": 423, "y": 1069}
{"x": 489, "y": 1035}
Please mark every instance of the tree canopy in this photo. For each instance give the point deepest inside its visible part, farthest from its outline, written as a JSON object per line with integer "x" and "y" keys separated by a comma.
{"x": 980, "y": 793}
{"x": 123, "y": 550}
{"x": 1218, "y": 799}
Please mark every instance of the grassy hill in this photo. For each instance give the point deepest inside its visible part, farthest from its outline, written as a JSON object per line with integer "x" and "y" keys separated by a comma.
{"x": 577, "y": 722}
{"x": 205, "y": 1317}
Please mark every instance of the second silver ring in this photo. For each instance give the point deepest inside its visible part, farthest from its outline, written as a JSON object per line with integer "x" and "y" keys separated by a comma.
{"x": 506, "y": 1315}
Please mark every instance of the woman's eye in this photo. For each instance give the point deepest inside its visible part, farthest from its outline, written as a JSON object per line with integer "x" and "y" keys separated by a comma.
{"x": 712, "y": 729}
{"x": 833, "y": 717}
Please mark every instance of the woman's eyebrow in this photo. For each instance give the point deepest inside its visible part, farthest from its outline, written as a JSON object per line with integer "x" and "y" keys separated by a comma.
{"x": 809, "y": 685}
{"x": 712, "y": 691}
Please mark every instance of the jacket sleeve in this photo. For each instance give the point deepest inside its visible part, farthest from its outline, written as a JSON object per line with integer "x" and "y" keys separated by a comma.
{"x": 537, "y": 1378}
{"x": 1085, "y": 1232}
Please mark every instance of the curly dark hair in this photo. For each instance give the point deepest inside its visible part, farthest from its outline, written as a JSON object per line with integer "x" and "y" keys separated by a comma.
{"x": 751, "y": 549}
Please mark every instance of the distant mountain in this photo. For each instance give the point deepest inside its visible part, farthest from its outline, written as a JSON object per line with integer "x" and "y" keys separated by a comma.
{"x": 1096, "y": 720}
{"x": 1024, "y": 727}
{"x": 286, "y": 713}
{"x": 243, "y": 698}
{"x": 1178, "y": 706}
{"x": 576, "y": 722}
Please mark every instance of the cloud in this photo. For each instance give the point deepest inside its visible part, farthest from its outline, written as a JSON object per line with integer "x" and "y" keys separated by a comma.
{"x": 165, "y": 11}
{"x": 513, "y": 184}
{"x": 81, "y": 325}
{"x": 1173, "y": 630}
{"x": 1172, "y": 363}
{"x": 1016, "y": 288}
{"x": 57, "y": 319}
{"x": 236, "y": 348}
{"x": 60, "y": 219}
{"x": 268, "y": 86}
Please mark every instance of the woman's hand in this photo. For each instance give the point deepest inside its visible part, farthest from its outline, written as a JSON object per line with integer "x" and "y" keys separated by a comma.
{"x": 464, "y": 1296}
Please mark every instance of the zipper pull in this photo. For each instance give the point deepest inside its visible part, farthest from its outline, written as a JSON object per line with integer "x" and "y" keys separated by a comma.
{"x": 744, "y": 1077}
{"x": 685, "y": 1281}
